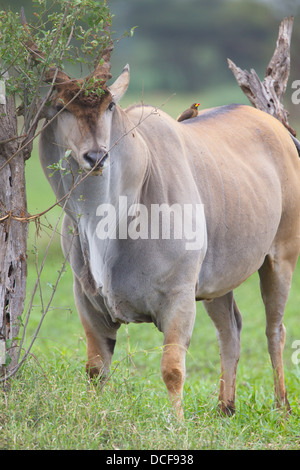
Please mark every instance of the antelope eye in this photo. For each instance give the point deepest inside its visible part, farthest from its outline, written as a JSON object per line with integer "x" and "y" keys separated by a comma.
{"x": 111, "y": 106}
{"x": 60, "y": 106}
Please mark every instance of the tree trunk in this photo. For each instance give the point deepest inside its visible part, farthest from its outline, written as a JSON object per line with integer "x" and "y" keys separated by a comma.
{"x": 268, "y": 94}
{"x": 13, "y": 234}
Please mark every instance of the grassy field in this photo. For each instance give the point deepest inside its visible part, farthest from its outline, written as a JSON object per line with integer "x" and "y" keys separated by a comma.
{"x": 49, "y": 404}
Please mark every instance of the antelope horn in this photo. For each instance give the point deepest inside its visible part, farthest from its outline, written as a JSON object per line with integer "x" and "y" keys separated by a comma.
{"x": 30, "y": 44}
{"x": 53, "y": 73}
{"x": 57, "y": 75}
{"x": 102, "y": 70}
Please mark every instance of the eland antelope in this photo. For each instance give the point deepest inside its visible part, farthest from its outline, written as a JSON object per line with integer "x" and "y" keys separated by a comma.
{"x": 237, "y": 163}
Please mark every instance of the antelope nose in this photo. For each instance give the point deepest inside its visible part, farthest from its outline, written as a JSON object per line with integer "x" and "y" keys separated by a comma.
{"x": 95, "y": 158}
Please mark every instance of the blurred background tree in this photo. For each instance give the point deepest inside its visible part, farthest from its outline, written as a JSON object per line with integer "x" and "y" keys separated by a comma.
{"x": 181, "y": 46}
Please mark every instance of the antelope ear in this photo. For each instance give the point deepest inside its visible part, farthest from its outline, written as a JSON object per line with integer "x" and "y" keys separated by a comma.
{"x": 119, "y": 87}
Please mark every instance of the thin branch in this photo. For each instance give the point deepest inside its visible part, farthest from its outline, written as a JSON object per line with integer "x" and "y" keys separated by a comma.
{"x": 36, "y": 286}
{"x": 40, "y": 117}
{"x": 16, "y": 137}
{"x": 43, "y": 315}
{"x": 27, "y": 352}
{"x": 33, "y": 126}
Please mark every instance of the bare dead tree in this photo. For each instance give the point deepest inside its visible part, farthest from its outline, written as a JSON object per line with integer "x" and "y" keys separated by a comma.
{"x": 268, "y": 94}
{"x": 13, "y": 232}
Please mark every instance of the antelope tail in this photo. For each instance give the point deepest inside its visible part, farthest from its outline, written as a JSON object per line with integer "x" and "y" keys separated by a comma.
{"x": 297, "y": 143}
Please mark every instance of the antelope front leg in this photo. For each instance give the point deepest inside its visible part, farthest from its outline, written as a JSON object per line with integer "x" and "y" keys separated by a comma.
{"x": 173, "y": 373}
{"x": 100, "y": 337}
{"x": 177, "y": 336}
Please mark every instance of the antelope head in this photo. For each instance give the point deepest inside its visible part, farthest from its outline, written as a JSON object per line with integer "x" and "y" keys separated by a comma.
{"x": 84, "y": 108}
{"x": 85, "y": 111}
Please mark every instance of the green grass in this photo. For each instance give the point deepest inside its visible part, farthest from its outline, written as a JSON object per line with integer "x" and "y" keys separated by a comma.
{"x": 49, "y": 404}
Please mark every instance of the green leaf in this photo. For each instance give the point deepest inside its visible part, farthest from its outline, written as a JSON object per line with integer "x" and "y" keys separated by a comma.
{"x": 8, "y": 360}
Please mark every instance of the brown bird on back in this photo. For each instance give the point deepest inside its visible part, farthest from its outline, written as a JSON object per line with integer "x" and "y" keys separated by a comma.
{"x": 189, "y": 113}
